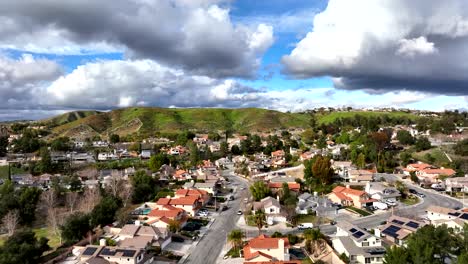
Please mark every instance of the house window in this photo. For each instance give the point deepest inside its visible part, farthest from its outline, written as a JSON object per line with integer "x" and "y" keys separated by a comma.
{"x": 353, "y": 257}
{"x": 365, "y": 244}
{"x": 368, "y": 260}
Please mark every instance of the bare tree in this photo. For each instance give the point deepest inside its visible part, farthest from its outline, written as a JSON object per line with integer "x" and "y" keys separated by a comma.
{"x": 125, "y": 193}
{"x": 115, "y": 183}
{"x": 10, "y": 221}
{"x": 71, "y": 201}
{"x": 49, "y": 198}
{"x": 53, "y": 217}
{"x": 90, "y": 198}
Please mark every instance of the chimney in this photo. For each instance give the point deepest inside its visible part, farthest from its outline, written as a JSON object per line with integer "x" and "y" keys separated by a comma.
{"x": 280, "y": 243}
{"x": 277, "y": 198}
{"x": 102, "y": 242}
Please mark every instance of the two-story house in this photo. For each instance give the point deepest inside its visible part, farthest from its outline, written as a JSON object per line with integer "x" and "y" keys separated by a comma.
{"x": 357, "y": 244}
{"x": 350, "y": 197}
{"x": 267, "y": 249}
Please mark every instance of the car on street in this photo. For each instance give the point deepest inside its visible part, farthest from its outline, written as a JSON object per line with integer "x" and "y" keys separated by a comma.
{"x": 412, "y": 191}
{"x": 421, "y": 195}
{"x": 239, "y": 212}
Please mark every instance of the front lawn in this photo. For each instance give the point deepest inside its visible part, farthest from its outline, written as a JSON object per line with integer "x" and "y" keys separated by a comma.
{"x": 358, "y": 211}
{"x": 306, "y": 218}
{"x": 233, "y": 253}
{"x": 410, "y": 200}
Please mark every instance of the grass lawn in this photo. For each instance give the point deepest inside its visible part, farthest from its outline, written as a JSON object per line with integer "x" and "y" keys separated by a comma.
{"x": 233, "y": 253}
{"x": 410, "y": 200}
{"x": 54, "y": 240}
{"x": 358, "y": 211}
{"x": 306, "y": 219}
{"x": 14, "y": 170}
{"x": 436, "y": 153}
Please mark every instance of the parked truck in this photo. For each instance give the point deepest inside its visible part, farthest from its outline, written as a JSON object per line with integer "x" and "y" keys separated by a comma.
{"x": 305, "y": 226}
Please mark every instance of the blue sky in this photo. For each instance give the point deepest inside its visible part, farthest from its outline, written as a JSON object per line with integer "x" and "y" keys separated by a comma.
{"x": 285, "y": 55}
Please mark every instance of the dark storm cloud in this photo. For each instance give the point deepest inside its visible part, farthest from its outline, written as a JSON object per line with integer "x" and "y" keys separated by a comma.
{"x": 198, "y": 38}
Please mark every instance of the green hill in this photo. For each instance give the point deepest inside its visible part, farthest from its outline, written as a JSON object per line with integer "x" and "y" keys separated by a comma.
{"x": 67, "y": 118}
{"x": 330, "y": 117}
{"x": 145, "y": 120}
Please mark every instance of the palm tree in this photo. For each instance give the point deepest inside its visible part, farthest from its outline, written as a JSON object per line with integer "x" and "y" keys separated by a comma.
{"x": 235, "y": 238}
{"x": 315, "y": 236}
{"x": 260, "y": 220}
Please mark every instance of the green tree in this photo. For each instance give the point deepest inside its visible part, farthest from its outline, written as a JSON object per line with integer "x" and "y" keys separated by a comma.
{"x": 156, "y": 161}
{"x": 259, "y": 220}
{"x": 27, "y": 202}
{"x": 61, "y": 144}
{"x": 461, "y": 148}
{"x": 405, "y": 158}
{"x": 114, "y": 138}
{"x": 322, "y": 170}
{"x": 224, "y": 148}
{"x": 75, "y": 228}
{"x": 23, "y": 247}
{"x": 405, "y": 137}
{"x": 144, "y": 187}
{"x": 235, "y": 150}
{"x": 321, "y": 142}
{"x": 3, "y": 145}
{"x": 361, "y": 161}
{"x": 422, "y": 143}
{"x": 194, "y": 154}
{"x": 308, "y": 136}
{"x": 174, "y": 226}
{"x": 259, "y": 190}
{"x": 45, "y": 165}
{"x": 105, "y": 211}
{"x": 396, "y": 255}
{"x": 235, "y": 237}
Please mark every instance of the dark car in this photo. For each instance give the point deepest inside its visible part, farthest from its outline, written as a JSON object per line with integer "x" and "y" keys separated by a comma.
{"x": 412, "y": 191}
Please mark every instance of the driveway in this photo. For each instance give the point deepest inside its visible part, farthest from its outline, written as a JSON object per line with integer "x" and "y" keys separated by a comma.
{"x": 211, "y": 244}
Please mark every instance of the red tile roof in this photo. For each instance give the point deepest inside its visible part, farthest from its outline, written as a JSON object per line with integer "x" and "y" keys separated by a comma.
{"x": 266, "y": 242}
{"x": 292, "y": 185}
{"x": 274, "y": 262}
{"x": 188, "y": 200}
{"x": 168, "y": 211}
{"x": 348, "y": 191}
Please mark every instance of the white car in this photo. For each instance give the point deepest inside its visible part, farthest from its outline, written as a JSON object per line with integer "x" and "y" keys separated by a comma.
{"x": 202, "y": 213}
{"x": 239, "y": 212}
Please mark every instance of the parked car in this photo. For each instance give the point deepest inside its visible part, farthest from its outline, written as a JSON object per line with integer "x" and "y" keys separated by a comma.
{"x": 239, "y": 212}
{"x": 231, "y": 198}
{"x": 305, "y": 226}
{"x": 421, "y": 195}
{"x": 412, "y": 191}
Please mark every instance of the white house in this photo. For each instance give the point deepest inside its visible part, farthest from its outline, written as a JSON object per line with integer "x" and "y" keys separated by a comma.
{"x": 272, "y": 209}
{"x": 357, "y": 244}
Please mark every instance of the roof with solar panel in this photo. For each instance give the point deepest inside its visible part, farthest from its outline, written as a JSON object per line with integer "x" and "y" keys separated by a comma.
{"x": 355, "y": 232}
{"x": 399, "y": 227}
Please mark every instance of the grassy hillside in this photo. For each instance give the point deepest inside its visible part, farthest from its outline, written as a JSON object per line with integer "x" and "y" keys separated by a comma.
{"x": 330, "y": 117}
{"x": 150, "y": 120}
{"x": 67, "y": 118}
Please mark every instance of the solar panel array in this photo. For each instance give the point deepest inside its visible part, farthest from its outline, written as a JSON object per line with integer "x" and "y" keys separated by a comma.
{"x": 454, "y": 214}
{"x": 391, "y": 230}
{"x": 89, "y": 251}
{"x": 412, "y": 224}
{"x": 353, "y": 230}
{"x": 358, "y": 234}
{"x": 398, "y": 222}
{"x": 113, "y": 252}
{"x": 464, "y": 216}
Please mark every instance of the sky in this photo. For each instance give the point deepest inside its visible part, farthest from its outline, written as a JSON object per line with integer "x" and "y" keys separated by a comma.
{"x": 287, "y": 55}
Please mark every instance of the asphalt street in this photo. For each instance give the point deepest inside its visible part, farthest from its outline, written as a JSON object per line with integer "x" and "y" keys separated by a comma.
{"x": 210, "y": 246}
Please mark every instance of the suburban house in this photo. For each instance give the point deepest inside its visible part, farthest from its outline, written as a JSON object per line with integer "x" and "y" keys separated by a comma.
{"x": 140, "y": 236}
{"x": 266, "y": 249}
{"x": 454, "y": 219}
{"x": 272, "y": 209}
{"x": 279, "y": 154}
{"x": 119, "y": 255}
{"x": 357, "y": 244}
{"x": 456, "y": 184}
{"x": 342, "y": 168}
{"x": 164, "y": 214}
{"x": 380, "y": 192}
{"x": 275, "y": 187}
{"x": 427, "y": 173}
{"x": 399, "y": 228}
{"x": 182, "y": 175}
{"x": 360, "y": 176}
{"x": 202, "y": 195}
{"x": 190, "y": 204}
{"x": 350, "y": 197}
